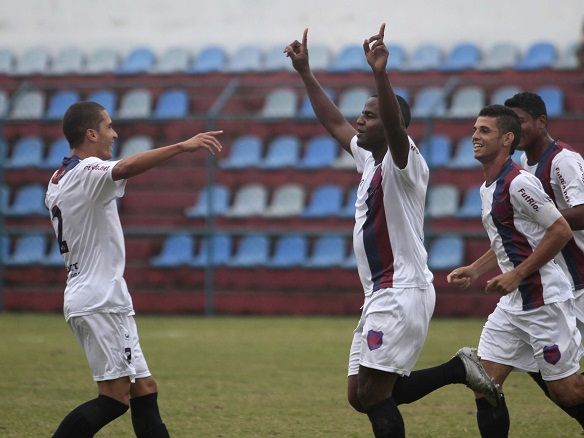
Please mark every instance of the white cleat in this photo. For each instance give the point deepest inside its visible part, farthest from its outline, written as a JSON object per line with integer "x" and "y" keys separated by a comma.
{"x": 477, "y": 378}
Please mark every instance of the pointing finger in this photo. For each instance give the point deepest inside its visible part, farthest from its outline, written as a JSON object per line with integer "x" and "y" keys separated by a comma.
{"x": 305, "y": 38}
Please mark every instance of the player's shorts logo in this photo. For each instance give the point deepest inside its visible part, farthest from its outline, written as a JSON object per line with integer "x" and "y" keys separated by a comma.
{"x": 374, "y": 339}
{"x": 552, "y": 354}
{"x": 128, "y": 352}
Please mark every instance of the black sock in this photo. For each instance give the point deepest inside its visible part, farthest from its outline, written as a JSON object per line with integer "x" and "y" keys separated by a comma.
{"x": 493, "y": 422}
{"x": 576, "y": 412}
{"x": 386, "y": 420}
{"x": 85, "y": 420}
{"x": 422, "y": 382}
{"x": 146, "y": 417}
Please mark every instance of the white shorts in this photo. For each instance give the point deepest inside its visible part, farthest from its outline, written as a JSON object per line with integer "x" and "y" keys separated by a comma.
{"x": 579, "y": 311}
{"x": 111, "y": 345}
{"x": 545, "y": 339}
{"x": 392, "y": 330}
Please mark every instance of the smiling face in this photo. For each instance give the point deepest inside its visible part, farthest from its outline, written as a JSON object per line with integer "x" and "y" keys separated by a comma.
{"x": 489, "y": 143}
{"x": 103, "y": 137}
{"x": 370, "y": 135}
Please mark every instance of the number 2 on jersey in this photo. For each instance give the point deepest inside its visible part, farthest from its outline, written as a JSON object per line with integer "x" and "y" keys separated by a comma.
{"x": 57, "y": 215}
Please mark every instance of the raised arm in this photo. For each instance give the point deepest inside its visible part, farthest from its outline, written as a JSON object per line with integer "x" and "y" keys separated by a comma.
{"x": 140, "y": 163}
{"x": 389, "y": 110}
{"x": 326, "y": 111}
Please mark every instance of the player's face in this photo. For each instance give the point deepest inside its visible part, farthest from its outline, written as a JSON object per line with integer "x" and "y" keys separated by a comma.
{"x": 487, "y": 141}
{"x": 370, "y": 133}
{"x": 106, "y": 136}
{"x": 531, "y": 129}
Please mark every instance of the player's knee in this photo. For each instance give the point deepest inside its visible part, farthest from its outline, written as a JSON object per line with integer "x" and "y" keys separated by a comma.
{"x": 354, "y": 401}
{"x": 143, "y": 386}
{"x": 566, "y": 396}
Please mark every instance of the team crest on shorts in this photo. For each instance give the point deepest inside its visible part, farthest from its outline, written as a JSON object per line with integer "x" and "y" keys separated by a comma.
{"x": 374, "y": 339}
{"x": 552, "y": 354}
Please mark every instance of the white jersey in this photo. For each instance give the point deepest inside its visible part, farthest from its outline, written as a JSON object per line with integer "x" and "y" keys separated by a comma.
{"x": 516, "y": 213}
{"x": 81, "y": 198}
{"x": 561, "y": 172}
{"x": 388, "y": 237}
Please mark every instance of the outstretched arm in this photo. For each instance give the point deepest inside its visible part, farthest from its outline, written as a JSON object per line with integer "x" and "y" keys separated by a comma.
{"x": 389, "y": 110}
{"x": 140, "y": 163}
{"x": 326, "y": 111}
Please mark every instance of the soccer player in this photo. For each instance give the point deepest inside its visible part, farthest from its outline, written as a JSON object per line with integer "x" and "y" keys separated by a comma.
{"x": 533, "y": 327}
{"x": 81, "y": 198}
{"x": 387, "y": 239}
{"x": 561, "y": 172}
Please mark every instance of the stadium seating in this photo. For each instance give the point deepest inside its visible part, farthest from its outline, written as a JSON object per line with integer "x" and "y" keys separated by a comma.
{"x": 28, "y": 250}
{"x": 467, "y": 102}
{"x": 70, "y": 60}
{"x": 245, "y": 59}
{"x": 106, "y": 98}
{"x": 442, "y": 200}
{"x": 283, "y": 151}
{"x": 173, "y": 60}
{"x": 350, "y": 58}
{"x": 290, "y": 251}
{"x": 276, "y": 60}
{"x": 217, "y": 204}
{"x": 429, "y": 102}
{"x": 54, "y": 256}
{"x": 102, "y": 60}
{"x": 4, "y": 248}
{"x": 135, "y": 104}
{"x": 306, "y": 111}
{"x": 29, "y": 200}
{"x": 538, "y": 55}
{"x": 500, "y": 95}
{"x": 464, "y": 156}
{"x": 217, "y": 254}
{"x": 348, "y": 209}
{"x": 397, "y": 57}
{"x": 58, "y": 150}
{"x": 28, "y": 105}
{"x": 250, "y": 200}
{"x": 464, "y": 56}
{"x": 553, "y": 97}
{"x": 567, "y": 59}
{"x": 328, "y": 252}
{"x": 139, "y": 60}
{"x": 33, "y": 61}
{"x": 172, "y": 104}
{"x": 320, "y": 57}
{"x": 246, "y": 151}
{"x": 253, "y": 250}
{"x": 344, "y": 161}
{"x": 402, "y": 92}
{"x": 436, "y": 150}
{"x": 60, "y": 102}
{"x": 288, "y": 200}
{"x": 3, "y": 104}
{"x": 352, "y": 100}
{"x": 425, "y": 57}
{"x": 471, "y": 205}
{"x": 177, "y": 250}
{"x": 210, "y": 59}
{"x": 326, "y": 200}
{"x": 7, "y": 61}
{"x": 321, "y": 151}
{"x": 499, "y": 57}
{"x": 280, "y": 103}
{"x": 446, "y": 252}
{"x": 136, "y": 144}
{"x": 27, "y": 152}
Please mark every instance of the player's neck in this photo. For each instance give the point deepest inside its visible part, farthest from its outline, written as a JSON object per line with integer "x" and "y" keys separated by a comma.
{"x": 492, "y": 169}
{"x": 534, "y": 152}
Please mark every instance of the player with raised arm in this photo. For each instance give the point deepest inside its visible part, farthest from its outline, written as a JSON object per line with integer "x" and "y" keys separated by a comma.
{"x": 81, "y": 198}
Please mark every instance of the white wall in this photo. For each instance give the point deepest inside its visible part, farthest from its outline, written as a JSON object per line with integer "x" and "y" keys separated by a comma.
{"x": 195, "y": 23}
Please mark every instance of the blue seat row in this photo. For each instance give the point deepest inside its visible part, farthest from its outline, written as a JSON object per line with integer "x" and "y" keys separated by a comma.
{"x": 253, "y": 58}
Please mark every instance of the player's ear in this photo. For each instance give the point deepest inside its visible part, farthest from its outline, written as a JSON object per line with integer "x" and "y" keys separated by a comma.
{"x": 91, "y": 134}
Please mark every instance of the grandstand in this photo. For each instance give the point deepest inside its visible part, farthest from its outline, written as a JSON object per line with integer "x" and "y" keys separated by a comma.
{"x": 276, "y": 206}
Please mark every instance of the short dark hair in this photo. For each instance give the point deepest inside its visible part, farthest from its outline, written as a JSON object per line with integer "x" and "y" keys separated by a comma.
{"x": 404, "y": 106}
{"x": 507, "y": 121}
{"x": 531, "y": 103}
{"x": 80, "y": 117}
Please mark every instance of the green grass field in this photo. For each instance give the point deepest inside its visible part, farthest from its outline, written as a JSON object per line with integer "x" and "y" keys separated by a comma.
{"x": 245, "y": 377}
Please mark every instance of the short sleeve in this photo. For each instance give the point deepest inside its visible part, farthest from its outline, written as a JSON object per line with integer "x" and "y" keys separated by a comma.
{"x": 568, "y": 173}
{"x": 530, "y": 201}
{"x": 416, "y": 170}
{"x": 97, "y": 181}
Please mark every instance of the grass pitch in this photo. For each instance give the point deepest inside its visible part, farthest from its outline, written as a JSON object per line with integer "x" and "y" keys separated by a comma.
{"x": 246, "y": 377}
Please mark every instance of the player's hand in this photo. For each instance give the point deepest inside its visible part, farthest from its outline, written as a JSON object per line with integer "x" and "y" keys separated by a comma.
{"x": 376, "y": 52}
{"x": 204, "y": 140}
{"x": 462, "y": 277}
{"x": 503, "y": 284}
{"x": 298, "y": 53}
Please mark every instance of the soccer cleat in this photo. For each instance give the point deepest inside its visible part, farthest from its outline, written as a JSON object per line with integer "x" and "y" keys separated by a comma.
{"x": 477, "y": 378}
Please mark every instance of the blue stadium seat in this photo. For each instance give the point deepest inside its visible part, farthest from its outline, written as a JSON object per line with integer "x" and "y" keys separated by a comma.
{"x": 172, "y": 104}
{"x": 203, "y": 207}
{"x": 135, "y": 104}
{"x": 4, "y": 248}
{"x": 446, "y": 252}
{"x": 328, "y": 252}
{"x": 28, "y": 105}
{"x": 554, "y": 100}
{"x": 33, "y": 61}
{"x": 177, "y": 250}
{"x": 280, "y": 103}
{"x": 348, "y": 209}
{"x": 467, "y": 102}
{"x": 210, "y": 59}
{"x": 218, "y": 254}
{"x": 174, "y": 60}
{"x": 425, "y": 57}
{"x": 430, "y": 102}
{"x": 58, "y": 150}
{"x": 246, "y": 151}
{"x": 501, "y": 94}
{"x": 29, "y": 200}
{"x": 4, "y": 197}
{"x": 397, "y": 58}
{"x": 60, "y": 102}
{"x": 70, "y": 60}
{"x": 28, "y": 152}
{"x": 321, "y": 151}
{"x": 29, "y": 250}
{"x": 464, "y": 155}
{"x": 464, "y": 56}
{"x": 516, "y": 157}
{"x": 102, "y": 60}
{"x": 283, "y": 151}
{"x": 350, "y": 58}
{"x": 471, "y": 205}
{"x": 436, "y": 150}
{"x": 276, "y": 59}
{"x": 106, "y": 98}
{"x": 326, "y": 200}
{"x": 403, "y": 92}
{"x": 246, "y": 59}
{"x": 499, "y": 57}
{"x": 442, "y": 200}
{"x": 350, "y": 262}
{"x": 253, "y": 250}
{"x": 7, "y": 61}
{"x": 538, "y": 56}
{"x": 140, "y": 60}
{"x": 306, "y": 111}
{"x": 352, "y": 100}
{"x": 290, "y": 251}
{"x": 54, "y": 257}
